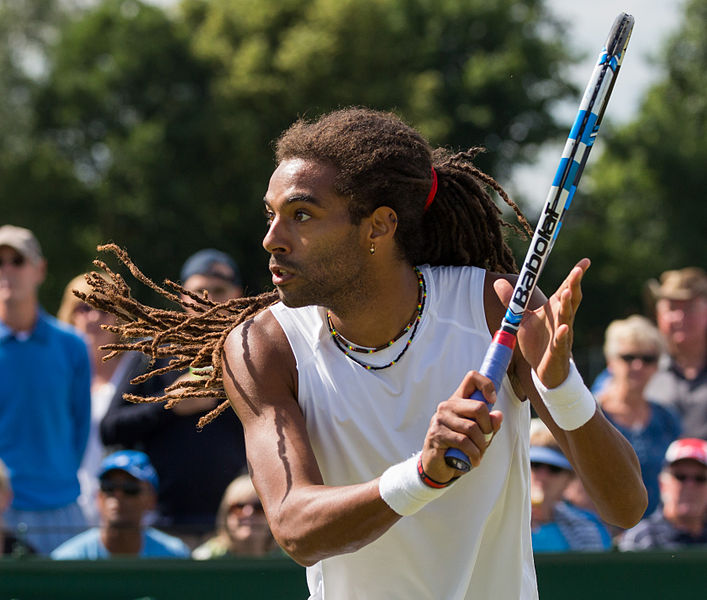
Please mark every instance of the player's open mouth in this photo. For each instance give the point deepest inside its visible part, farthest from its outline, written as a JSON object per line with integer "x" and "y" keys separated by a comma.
{"x": 280, "y": 275}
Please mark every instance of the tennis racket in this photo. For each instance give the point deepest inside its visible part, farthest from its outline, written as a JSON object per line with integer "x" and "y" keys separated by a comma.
{"x": 564, "y": 185}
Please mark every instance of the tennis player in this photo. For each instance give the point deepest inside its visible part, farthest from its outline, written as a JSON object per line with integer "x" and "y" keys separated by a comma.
{"x": 392, "y": 273}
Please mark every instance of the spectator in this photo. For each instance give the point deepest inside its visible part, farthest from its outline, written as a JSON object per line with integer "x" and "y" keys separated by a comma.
{"x": 213, "y": 271}
{"x": 681, "y": 315}
{"x": 109, "y": 379}
{"x": 10, "y": 545}
{"x": 682, "y": 520}
{"x": 128, "y": 486}
{"x": 557, "y": 525}
{"x": 632, "y": 347}
{"x": 194, "y": 467}
{"x": 45, "y": 404}
{"x": 241, "y": 526}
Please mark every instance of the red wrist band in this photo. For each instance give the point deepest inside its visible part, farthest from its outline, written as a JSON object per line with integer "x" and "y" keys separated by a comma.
{"x": 428, "y": 481}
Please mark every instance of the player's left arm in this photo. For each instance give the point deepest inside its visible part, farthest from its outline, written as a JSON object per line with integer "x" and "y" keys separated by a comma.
{"x": 602, "y": 458}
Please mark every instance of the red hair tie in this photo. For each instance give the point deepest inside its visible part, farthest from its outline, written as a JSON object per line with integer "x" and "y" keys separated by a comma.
{"x": 433, "y": 191}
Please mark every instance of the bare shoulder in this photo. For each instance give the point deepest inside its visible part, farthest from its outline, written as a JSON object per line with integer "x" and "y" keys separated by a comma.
{"x": 258, "y": 364}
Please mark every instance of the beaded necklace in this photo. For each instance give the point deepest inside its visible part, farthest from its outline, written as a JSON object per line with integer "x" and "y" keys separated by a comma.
{"x": 346, "y": 347}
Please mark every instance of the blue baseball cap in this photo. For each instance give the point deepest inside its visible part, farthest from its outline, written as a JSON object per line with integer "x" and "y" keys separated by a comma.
{"x": 133, "y": 462}
{"x": 549, "y": 456}
{"x": 212, "y": 263}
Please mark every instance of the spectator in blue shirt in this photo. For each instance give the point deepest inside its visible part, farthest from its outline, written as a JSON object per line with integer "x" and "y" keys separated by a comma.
{"x": 127, "y": 492}
{"x": 45, "y": 404}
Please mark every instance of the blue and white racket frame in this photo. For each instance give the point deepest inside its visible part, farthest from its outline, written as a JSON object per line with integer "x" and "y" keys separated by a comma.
{"x": 564, "y": 185}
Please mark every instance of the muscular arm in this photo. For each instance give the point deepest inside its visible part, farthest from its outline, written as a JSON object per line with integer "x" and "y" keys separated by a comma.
{"x": 602, "y": 458}
{"x": 309, "y": 520}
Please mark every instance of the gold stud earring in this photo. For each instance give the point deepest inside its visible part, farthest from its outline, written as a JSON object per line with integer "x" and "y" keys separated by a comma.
{"x": 372, "y": 249}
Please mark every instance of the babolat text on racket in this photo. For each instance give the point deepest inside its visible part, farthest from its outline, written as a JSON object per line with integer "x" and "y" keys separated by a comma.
{"x": 574, "y": 157}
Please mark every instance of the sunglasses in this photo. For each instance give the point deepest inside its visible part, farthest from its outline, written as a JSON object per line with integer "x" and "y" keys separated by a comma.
{"x": 554, "y": 469}
{"x": 683, "y": 477}
{"x": 647, "y": 359}
{"x": 15, "y": 261}
{"x": 129, "y": 488}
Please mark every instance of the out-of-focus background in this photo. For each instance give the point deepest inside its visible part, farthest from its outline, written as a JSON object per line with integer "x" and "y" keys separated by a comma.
{"x": 151, "y": 124}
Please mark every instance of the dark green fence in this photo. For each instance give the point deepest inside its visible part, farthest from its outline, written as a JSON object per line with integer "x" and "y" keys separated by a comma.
{"x": 623, "y": 576}
{"x": 607, "y": 576}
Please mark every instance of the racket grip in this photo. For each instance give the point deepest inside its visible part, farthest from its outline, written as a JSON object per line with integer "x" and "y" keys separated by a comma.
{"x": 496, "y": 361}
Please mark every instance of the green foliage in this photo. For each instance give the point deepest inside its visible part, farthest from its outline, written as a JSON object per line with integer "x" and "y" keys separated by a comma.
{"x": 465, "y": 73}
{"x": 154, "y": 130}
{"x": 40, "y": 192}
{"x": 644, "y": 211}
{"x": 25, "y": 28}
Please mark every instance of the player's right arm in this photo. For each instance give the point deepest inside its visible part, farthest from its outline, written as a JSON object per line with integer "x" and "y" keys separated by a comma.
{"x": 309, "y": 520}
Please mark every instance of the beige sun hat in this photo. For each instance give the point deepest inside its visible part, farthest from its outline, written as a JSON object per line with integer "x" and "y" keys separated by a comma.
{"x": 680, "y": 284}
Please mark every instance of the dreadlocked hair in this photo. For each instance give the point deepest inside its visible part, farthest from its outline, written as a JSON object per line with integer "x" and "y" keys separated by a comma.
{"x": 189, "y": 341}
{"x": 381, "y": 161}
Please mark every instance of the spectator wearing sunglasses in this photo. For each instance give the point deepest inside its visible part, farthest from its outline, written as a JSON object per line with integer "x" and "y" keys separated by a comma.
{"x": 557, "y": 525}
{"x": 682, "y": 519}
{"x": 127, "y": 492}
{"x": 681, "y": 314}
{"x": 632, "y": 348}
{"x": 45, "y": 404}
{"x": 241, "y": 526}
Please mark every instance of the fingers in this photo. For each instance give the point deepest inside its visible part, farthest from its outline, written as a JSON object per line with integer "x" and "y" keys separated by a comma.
{"x": 504, "y": 291}
{"x": 574, "y": 280}
{"x": 463, "y": 423}
{"x": 474, "y": 381}
{"x": 570, "y": 297}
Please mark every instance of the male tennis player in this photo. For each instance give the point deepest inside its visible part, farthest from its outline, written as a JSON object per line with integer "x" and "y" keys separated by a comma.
{"x": 353, "y": 386}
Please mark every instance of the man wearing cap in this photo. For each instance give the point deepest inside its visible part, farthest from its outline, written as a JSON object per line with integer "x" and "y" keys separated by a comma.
{"x": 557, "y": 525}
{"x": 194, "y": 467}
{"x": 45, "y": 406}
{"x": 212, "y": 271}
{"x": 681, "y": 316}
{"x": 128, "y": 487}
{"x": 682, "y": 519}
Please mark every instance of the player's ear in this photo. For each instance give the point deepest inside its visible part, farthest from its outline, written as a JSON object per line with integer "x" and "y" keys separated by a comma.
{"x": 383, "y": 224}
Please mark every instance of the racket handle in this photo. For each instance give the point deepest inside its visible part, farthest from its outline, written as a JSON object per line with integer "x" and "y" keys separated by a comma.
{"x": 496, "y": 361}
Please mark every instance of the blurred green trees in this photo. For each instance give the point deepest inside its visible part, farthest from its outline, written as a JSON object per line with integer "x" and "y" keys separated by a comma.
{"x": 643, "y": 209}
{"x": 154, "y": 128}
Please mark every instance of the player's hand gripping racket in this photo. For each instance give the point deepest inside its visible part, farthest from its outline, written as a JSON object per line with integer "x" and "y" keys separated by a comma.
{"x": 574, "y": 157}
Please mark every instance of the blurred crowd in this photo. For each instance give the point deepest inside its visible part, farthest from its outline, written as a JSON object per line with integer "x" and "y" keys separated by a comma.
{"x": 85, "y": 474}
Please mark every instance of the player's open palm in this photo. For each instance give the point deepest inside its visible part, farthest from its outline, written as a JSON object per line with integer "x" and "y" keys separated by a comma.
{"x": 545, "y": 335}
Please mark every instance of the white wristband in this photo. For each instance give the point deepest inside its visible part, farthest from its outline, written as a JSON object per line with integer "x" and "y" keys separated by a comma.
{"x": 570, "y": 404}
{"x": 402, "y": 489}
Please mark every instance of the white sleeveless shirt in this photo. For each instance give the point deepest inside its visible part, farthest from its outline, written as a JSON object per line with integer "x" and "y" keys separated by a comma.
{"x": 472, "y": 543}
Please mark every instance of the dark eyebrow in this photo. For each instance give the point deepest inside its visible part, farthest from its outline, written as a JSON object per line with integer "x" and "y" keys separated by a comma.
{"x": 299, "y": 198}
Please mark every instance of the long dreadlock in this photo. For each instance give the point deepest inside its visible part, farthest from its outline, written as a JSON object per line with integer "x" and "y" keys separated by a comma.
{"x": 380, "y": 161}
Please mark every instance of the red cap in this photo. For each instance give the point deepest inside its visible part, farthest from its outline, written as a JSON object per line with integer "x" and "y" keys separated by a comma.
{"x": 693, "y": 448}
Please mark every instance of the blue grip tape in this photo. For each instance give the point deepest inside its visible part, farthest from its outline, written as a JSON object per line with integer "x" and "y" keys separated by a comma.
{"x": 498, "y": 357}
